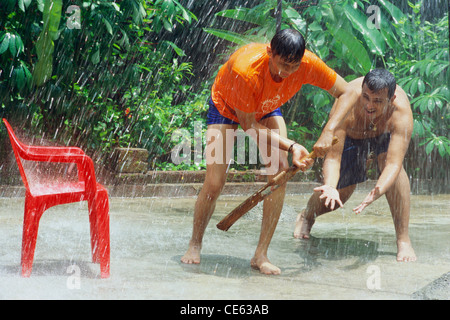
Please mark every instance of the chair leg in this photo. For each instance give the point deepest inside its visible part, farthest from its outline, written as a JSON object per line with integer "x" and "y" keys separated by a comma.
{"x": 104, "y": 248}
{"x": 32, "y": 216}
{"x": 100, "y": 238}
{"x": 93, "y": 229}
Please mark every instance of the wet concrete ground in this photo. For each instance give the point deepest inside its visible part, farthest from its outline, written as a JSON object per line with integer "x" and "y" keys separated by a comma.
{"x": 348, "y": 256}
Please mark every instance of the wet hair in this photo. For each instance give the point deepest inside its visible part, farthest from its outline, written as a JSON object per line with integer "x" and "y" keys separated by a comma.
{"x": 379, "y": 79}
{"x": 289, "y": 44}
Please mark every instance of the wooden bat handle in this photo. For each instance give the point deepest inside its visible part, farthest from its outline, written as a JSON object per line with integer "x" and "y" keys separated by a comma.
{"x": 313, "y": 155}
{"x": 294, "y": 169}
{"x": 278, "y": 178}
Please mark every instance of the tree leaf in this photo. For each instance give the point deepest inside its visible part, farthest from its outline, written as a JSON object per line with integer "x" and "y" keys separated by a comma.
{"x": 12, "y": 44}
{"x": 439, "y": 103}
{"x": 396, "y": 14}
{"x": 107, "y": 25}
{"x": 167, "y": 24}
{"x": 421, "y": 86}
{"x": 177, "y": 49}
{"x": 441, "y": 149}
{"x": 168, "y": 8}
{"x": 19, "y": 76}
{"x": 21, "y": 5}
{"x": 19, "y": 44}
{"x": 356, "y": 49}
{"x": 244, "y": 14}
{"x": 95, "y": 58}
{"x": 431, "y": 104}
{"x": 27, "y": 73}
{"x": 418, "y": 128}
{"x": 429, "y": 147}
{"x": 5, "y": 43}
{"x": 228, "y": 35}
{"x": 372, "y": 36}
{"x": 439, "y": 69}
{"x": 413, "y": 88}
{"x": 52, "y": 17}
{"x": 42, "y": 71}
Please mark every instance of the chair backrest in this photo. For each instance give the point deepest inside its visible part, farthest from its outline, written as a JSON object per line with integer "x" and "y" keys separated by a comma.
{"x": 19, "y": 149}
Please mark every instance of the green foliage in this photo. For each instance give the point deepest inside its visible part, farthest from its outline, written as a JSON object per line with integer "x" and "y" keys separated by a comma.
{"x": 422, "y": 67}
{"x": 95, "y": 73}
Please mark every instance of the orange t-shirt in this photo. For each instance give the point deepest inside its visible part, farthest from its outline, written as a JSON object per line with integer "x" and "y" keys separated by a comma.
{"x": 244, "y": 82}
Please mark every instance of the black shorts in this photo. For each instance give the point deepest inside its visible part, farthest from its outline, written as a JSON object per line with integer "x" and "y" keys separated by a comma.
{"x": 354, "y": 158}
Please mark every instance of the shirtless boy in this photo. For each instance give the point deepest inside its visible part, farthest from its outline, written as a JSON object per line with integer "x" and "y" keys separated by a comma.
{"x": 249, "y": 90}
{"x": 380, "y": 121}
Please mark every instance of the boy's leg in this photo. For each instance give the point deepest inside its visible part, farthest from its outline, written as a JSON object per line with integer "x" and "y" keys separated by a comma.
{"x": 352, "y": 172}
{"x": 398, "y": 197}
{"x": 218, "y": 152}
{"x": 273, "y": 204}
{"x": 315, "y": 207}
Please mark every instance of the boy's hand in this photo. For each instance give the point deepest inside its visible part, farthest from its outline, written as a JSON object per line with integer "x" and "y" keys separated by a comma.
{"x": 299, "y": 152}
{"x": 371, "y": 197}
{"x": 323, "y": 145}
{"x": 331, "y": 196}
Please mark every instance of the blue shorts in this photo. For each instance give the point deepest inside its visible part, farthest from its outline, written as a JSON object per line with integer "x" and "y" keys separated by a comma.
{"x": 354, "y": 157}
{"x": 214, "y": 116}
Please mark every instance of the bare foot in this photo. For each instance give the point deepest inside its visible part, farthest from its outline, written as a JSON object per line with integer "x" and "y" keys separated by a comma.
{"x": 405, "y": 252}
{"x": 192, "y": 255}
{"x": 264, "y": 266}
{"x": 302, "y": 226}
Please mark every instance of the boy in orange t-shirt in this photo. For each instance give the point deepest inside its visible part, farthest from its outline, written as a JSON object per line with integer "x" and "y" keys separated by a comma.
{"x": 245, "y": 82}
{"x": 249, "y": 90}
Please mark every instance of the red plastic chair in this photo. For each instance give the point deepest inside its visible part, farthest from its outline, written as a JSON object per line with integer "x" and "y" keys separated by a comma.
{"x": 39, "y": 198}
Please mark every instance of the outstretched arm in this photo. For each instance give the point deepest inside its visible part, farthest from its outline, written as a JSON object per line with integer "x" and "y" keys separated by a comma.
{"x": 346, "y": 97}
{"x": 402, "y": 126}
{"x": 331, "y": 170}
